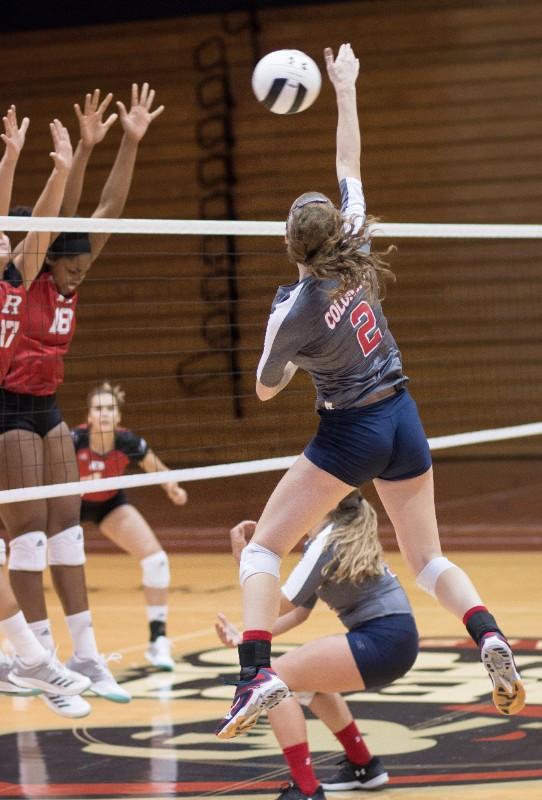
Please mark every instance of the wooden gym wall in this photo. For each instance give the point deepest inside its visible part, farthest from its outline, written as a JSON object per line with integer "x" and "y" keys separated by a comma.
{"x": 449, "y": 98}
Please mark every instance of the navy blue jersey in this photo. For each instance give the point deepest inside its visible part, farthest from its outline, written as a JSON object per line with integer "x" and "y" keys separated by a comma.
{"x": 345, "y": 345}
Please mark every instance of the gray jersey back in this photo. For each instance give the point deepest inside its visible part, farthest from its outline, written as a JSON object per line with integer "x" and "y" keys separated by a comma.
{"x": 353, "y": 603}
{"x": 345, "y": 345}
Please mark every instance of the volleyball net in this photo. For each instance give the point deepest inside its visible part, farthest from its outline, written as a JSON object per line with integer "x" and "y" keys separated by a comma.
{"x": 175, "y": 311}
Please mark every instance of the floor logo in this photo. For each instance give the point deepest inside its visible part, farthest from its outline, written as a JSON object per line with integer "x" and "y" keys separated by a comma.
{"x": 435, "y": 726}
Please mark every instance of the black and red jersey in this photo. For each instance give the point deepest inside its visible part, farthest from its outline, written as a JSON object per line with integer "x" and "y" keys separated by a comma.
{"x": 48, "y": 325}
{"x": 129, "y": 448}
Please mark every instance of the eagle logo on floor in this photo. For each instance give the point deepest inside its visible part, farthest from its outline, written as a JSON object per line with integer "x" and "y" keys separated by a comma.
{"x": 436, "y": 726}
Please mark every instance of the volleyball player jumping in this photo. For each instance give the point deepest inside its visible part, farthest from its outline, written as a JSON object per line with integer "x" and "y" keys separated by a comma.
{"x": 330, "y": 323}
{"x": 104, "y": 450}
{"x": 36, "y": 445}
{"x": 34, "y": 667}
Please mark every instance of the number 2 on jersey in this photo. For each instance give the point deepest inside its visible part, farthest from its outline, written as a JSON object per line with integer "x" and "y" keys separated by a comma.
{"x": 364, "y": 322}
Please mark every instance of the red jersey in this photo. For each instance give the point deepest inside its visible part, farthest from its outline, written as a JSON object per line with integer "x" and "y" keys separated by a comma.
{"x": 37, "y": 366}
{"x": 12, "y": 308}
{"x": 128, "y": 448}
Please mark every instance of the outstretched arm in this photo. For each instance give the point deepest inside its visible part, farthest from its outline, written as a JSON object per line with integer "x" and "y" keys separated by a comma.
{"x": 115, "y": 192}
{"x": 30, "y": 258}
{"x": 92, "y": 129}
{"x": 13, "y": 138}
{"x": 151, "y": 463}
{"x": 231, "y": 636}
{"x": 343, "y": 72}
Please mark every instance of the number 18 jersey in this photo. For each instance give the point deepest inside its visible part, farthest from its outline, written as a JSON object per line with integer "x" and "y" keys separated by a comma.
{"x": 48, "y": 326}
{"x": 345, "y": 344}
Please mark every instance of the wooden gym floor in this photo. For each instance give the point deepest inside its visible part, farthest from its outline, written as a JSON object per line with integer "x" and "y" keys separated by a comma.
{"x": 435, "y": 730}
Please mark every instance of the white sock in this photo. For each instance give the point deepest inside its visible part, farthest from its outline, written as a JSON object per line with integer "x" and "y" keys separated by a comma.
{"x": 82, "y": 633}
{"x": 27, "y": 647}
{"x": 158, "y": 613}
{"x": 42, "y": 631}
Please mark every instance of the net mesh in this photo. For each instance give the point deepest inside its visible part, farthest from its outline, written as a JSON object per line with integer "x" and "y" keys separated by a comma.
{"x": 178, "y": 322}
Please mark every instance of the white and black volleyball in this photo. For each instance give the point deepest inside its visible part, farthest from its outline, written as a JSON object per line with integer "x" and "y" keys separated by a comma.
{"x": 286, "y": 81}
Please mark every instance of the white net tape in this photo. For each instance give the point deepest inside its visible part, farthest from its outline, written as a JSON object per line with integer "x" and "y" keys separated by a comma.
{"x": 241, "y": 467}
{"x": 200, "y": 227}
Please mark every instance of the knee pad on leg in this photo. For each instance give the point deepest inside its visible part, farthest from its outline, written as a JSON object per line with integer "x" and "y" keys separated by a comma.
{"x": 254, "y": 559}
{"x": 67, "y": 548}
{"x": 156, "y": 570}
{"x": 304, "y": 698}
{"x": 28, "y": 552}
{"x": 428, "y": 577}
{"x": 2, "y": 552}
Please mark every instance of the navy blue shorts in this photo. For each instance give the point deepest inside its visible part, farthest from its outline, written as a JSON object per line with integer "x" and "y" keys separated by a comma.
{"x": 385, "y": 440}
{"x": 384, "y": 648}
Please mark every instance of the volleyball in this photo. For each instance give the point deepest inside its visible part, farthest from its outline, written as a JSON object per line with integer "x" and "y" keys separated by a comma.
{"x": 286, "y": 81}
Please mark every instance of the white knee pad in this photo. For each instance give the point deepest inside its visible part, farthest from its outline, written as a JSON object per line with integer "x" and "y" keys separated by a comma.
{"x": 28, "y": 552}
{"x": 156, "y": 570}
{"x": 304, "y": 698}
{"x": 254, "y": 559}
{"x": 428, "y": 577}
{"x": 67, "y": 548}
{"x": 2, "y": 552}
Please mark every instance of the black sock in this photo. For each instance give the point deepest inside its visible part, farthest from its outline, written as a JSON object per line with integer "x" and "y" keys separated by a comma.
{"x": 157, "y": 628}
{"x": 480, "y": 623}
{"x": 253, "y": 654}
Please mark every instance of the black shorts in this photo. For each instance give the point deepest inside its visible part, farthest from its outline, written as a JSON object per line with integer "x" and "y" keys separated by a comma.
{"x": 28, "y": 412}
{"x": 384, "y": 648}
{"x": 96, "y": 511}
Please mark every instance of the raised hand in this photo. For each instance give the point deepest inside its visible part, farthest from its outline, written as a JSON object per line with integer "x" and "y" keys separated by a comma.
{"x": 92, "y": 127}
{"x": 62, "y": 155}
{"x": 14, "y": 134}
{"x": 343, "y": 70}
{"x": 136, "y": 121}
{"x": 5, "y": 250}
{"x": 240, "y": 535}
{"x": 227, "y": 632}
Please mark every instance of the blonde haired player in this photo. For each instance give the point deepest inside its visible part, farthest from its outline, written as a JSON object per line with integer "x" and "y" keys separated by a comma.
{"x": 104, "y": 450}
{"x": 343, "y": 565}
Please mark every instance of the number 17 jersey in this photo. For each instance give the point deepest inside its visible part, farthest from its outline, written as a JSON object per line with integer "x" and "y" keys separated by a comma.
{"x": 344, "y": 344}
{"x": 12, "y": 309}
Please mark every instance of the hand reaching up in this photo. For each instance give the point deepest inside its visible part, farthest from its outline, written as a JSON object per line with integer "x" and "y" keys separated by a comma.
{"x": 14, "y": 134}
{"x": 92, "y": 127}
{"x": 62, "y": 155}
{"x": 136, "y": 121}
{"x": 343, "y": 70}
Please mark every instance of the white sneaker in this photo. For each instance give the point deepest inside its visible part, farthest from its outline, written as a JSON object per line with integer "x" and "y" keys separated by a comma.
{"x": 103, "y": 684}
{"x": 159, "y": 654}
{"x": 7, "y": 687}
{"x": 72, "y": 707}
{"x": 508, "y": 689}
{"x": 50, "y": 676}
